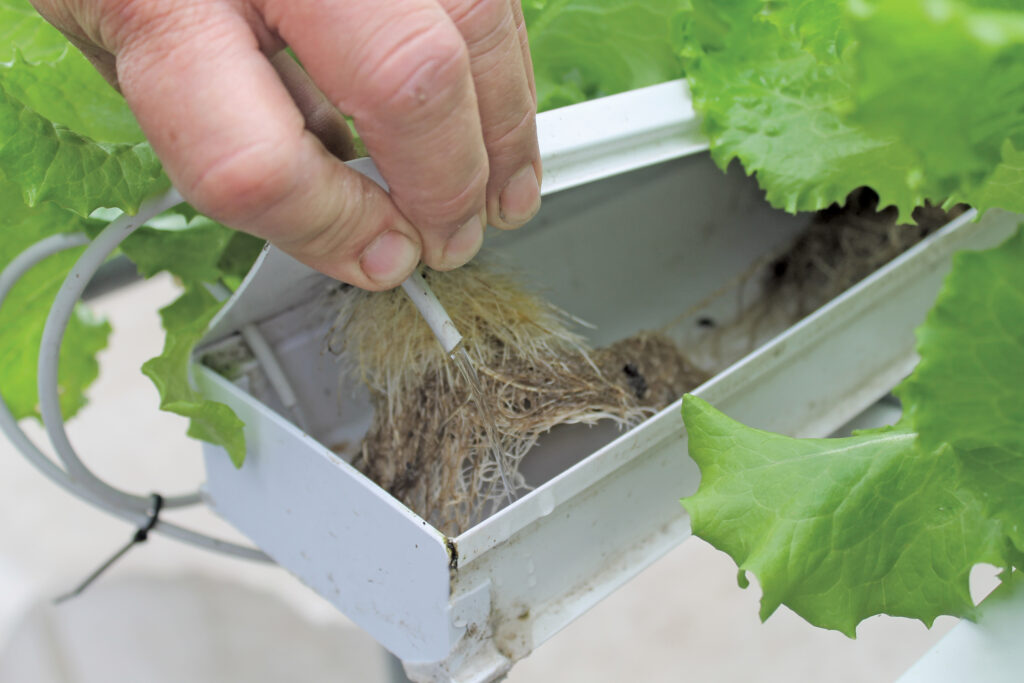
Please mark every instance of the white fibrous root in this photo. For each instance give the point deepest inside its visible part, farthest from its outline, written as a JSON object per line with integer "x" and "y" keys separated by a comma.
{"x": 427, "y": 445}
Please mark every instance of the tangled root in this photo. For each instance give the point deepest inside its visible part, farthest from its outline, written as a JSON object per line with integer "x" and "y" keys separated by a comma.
{"x": 841, "y": 246}
{"x": 427, "y": 445}
{"x": 844, "y": 245}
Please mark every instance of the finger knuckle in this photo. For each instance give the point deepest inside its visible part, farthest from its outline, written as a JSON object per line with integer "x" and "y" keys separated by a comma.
{"x": 411, "y": 75}
{"x": 447, "y": 207}
{"x": 246, "y": 183}
{"x": 483, "y": 23}
{"x": 146, "y": 37}
{"x": 513, "y": 132}
{"x": 339, "y": 233}
{"x": 116, "y": 20}
{"x": 120, "y": 23}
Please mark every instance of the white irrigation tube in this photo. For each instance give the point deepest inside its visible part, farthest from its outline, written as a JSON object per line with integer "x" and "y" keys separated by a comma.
{"x": 433, "y": 312}
{"x": 276, "y": 376}
{"x": 267, "y": 360}
{"x": 49, "y": 354}
{"x": 14, "y": 271}
{"x": 9, "y": 425}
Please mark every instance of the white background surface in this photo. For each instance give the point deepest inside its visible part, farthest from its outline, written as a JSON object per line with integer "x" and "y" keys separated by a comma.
{"x": 169, "y": 612}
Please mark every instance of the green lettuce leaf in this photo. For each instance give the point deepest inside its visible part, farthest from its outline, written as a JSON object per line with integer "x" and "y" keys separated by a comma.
{"x": 815, "y": 25}
{"x": 967, "y": 389}
{"x": 69, "y": 146}
{"x": 50, "y": 77}
{"x": 185, "y": 321}
{"x": 52, "y": 163}
{"x": 771, "y": 83}
{"x": 1004, "y": 187}
{"x": 65, "y": 135}
{"x": 918, "y": 99}
{"x": 838, "y": 529}
{"x": 70, "y": 92}
{"x": 24, "y": 312}
{"x": 192, "y": 253}
{"x": 23, "y": 30}
{"x": 197, "y": 251}
{"x": 584, "y": 49}
{"x": 889, "y": 521}
{"x": 25, "y": 37}
{"x": 238, "y": 257}
{"x": 945, "y": 76}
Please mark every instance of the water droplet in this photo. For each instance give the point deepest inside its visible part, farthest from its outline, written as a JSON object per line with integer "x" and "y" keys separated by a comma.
{"x": 459, "y": 622}
{"x": 532, "y": 581}
{"x": 530, "y": 568}
{"x": 546, "y": 503}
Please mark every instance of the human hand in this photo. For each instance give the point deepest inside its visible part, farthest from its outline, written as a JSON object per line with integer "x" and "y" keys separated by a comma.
{"x": 441, "y": 92}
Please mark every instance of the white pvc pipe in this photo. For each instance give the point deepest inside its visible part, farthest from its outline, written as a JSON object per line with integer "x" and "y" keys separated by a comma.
{"x": 49, "y": 354}
{"x": 9, "y": 425}
{"x": 432, "y": 311}
{"x": 14, "y": 271}
{"x": 267, "y": 360}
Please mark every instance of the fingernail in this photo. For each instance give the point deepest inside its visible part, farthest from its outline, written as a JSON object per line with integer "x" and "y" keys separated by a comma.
{"x": 465, "y": 243}
{"x": 389, "y": 258}
{"x": 520, "y": 199}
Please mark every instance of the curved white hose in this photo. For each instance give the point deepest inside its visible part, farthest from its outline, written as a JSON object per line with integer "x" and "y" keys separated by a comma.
{"x": 275, "y": 374}
{"x": 267, "y": 360}
{"x": 9, "y": 426}
{"x": 433, "y": 312}
{"x": 14, "y": 271}
{"x": 49, "y": 355}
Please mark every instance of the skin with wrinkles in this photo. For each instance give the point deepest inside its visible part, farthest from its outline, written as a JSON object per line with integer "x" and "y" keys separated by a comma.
{"x": 441, "y": 92}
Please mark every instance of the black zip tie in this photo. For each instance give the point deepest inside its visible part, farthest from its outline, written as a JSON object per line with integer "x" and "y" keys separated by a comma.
{"x": 140, "y": 536}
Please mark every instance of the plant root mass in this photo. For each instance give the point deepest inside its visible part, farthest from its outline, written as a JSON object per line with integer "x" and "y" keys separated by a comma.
{"x": 427, "y": 445}
{"x": 842, "y": 246}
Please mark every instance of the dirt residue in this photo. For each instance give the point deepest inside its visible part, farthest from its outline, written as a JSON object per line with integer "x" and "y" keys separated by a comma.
{"x": 842, "y": 246}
